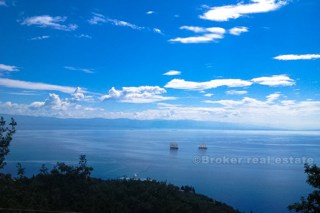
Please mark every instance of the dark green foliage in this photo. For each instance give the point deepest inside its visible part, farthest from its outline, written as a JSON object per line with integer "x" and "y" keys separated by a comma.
{"x": 311, "y": 204}
{"x": 188, "y": 189}
{"x": 70, "y": 188}
{"x": 20, "y": 171}
{"x": 6, "y": 134}
{"x": 43, "y": 170}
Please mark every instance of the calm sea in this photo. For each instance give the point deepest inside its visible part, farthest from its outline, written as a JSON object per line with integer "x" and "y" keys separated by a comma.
{"x": 260, "y": 171}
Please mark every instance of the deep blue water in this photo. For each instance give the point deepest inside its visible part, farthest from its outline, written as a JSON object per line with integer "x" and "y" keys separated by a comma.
{"x": 250, "y": 170}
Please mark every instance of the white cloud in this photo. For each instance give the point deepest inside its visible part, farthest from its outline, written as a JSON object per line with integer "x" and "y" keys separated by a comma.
{"x": 236, "y": 92}
{"x": 245, "y": 102}
{"x": 142, "y": 94}
{"x": 150, "y": 12}
{"x": 275, "y": 80}
{"x": 190, "y": 85}
{"x": 8, "y": 68}
{"x": 24, "y": 93}
{"x": 3, "y": 3}
{"x": 227, "y": 12}
{"x": 208, "y": 35}
{"x": 124, "y": 24}
{"x": 272, "y": 97}
{"x": 79, "y": 95}
{"x": 248, "y": 111}
{"x": 208, "y": 95}
{"x": 291, "y": 57}
{"x": 172, "y": 73}
{"x": 52, "y": 102}
{"x": 198, "y": 39}
{"x": 100, "y": 19}
{"x": 279, "y": 113}
{"x": 85, "y": 70}
{"x": 97, "y": 18}
{"x": 35, "y": 85}
{"x": 157, "y": 30}
{"x": 49, "y": 21}
{"x": 53, "y": 106}
{"x": 238, "y": 30}
{"x": 195, "y": 29}
{"x": 215, "y": 30}
{"x": 84, "y": 36}
{"x": 288, "y": 102}
{"x": 271, "y": 113}
{"x": 40, "y": 38}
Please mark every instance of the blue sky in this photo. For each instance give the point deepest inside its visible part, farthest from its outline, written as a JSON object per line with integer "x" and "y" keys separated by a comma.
{"x": 253, "y": 62}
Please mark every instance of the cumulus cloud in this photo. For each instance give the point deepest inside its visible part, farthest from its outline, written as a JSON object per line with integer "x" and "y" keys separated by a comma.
{"x": 35, "y": 85}
{"x": 8, "y": 68}
{"x": 208, "y": 35}
{"x": 238, "y": 30}
{"x": 79, "y": 95}
{"x": 275, "y": 80}
{"x": 85, "y": 70}
{"x": 172, "y": 73}
{"x": 270, "y": 112}
{"x": 53, "y": 106}
{"x": 292, "y": 57}
{"x": 236, "y": 92}
{"x": 227, "y": 12}
{"x": 47, "y": 21}
{"x": 190, "y": 85}
{"x": 142, "y": 94}
{"x": 52, "y": 102}
{"x": 249, "y": 111}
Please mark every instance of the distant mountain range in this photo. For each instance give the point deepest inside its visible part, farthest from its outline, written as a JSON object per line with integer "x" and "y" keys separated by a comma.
{"x": 44, "y": 123}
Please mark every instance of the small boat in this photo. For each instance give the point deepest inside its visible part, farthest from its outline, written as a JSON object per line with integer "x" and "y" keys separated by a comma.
{"x": 203, "y": 146}
{"x": 174, "y": 146}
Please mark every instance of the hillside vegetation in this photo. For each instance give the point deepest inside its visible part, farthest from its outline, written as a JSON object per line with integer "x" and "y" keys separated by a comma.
{"x": 71, "y": 189}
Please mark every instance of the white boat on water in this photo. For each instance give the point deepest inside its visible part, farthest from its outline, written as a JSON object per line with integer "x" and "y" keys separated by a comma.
{"x": 203, "y": 146}
{"x": 174, "y": 146}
